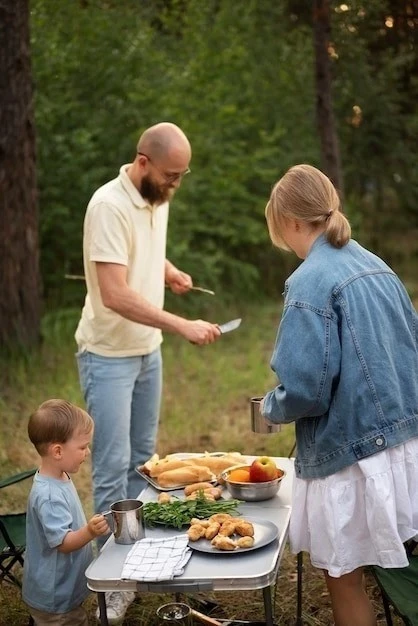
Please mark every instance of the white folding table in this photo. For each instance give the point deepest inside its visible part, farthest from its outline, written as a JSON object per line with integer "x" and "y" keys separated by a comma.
{"x": 255, "y": 569}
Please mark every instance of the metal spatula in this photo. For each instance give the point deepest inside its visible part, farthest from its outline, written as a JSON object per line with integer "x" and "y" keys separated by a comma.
{"x": 231, "y": 325}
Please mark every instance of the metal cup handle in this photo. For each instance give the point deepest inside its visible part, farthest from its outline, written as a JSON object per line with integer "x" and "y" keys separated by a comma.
{"x": 108, "y": 515}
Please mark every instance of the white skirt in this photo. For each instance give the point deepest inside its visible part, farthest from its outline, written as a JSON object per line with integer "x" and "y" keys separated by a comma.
{"x": 361, "y": 515}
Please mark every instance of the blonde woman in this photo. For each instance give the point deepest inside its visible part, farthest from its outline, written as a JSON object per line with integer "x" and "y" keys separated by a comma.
{"x": 346, "y": 360}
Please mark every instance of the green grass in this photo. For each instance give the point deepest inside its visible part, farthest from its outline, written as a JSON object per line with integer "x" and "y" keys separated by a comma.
{"x": 205, "y": 407}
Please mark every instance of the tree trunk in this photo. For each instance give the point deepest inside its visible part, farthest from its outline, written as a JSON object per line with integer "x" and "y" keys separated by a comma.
{"x": 330, "y": 151}
{"x": 19, "y": 247}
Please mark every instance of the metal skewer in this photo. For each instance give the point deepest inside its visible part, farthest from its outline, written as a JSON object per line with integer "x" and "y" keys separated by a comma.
{"x": 79, "y": 277}
{"x": 203, "y": 290}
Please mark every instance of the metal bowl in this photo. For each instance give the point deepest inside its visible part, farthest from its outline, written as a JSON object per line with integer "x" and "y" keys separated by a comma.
{"x": 251, "y": 492}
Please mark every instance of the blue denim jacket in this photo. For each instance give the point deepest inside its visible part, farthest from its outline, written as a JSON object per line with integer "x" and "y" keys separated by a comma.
{"x": 346, "y": 359}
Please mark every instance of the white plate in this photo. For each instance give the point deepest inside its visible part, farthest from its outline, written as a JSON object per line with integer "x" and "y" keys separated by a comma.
{"x": 264, "y": 533}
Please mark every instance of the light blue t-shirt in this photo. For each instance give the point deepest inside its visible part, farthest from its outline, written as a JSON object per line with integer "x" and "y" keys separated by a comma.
{"x": 52, "y": 581}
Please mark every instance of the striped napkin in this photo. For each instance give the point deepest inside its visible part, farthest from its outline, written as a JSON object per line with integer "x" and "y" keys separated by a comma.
{"x": 157, "y": 559}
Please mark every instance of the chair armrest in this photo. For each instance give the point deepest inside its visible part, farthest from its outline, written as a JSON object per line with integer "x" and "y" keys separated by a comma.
{"x": 11, "y": 480}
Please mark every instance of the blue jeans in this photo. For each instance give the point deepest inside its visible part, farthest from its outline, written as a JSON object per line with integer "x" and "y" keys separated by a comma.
{"x": 123, "y": 396}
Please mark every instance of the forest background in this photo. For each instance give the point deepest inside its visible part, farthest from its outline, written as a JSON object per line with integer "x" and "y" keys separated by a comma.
{"x": 241, "y": 78}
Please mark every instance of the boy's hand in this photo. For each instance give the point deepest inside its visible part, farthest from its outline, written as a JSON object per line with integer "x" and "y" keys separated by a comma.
{"x": 98, "y": 525}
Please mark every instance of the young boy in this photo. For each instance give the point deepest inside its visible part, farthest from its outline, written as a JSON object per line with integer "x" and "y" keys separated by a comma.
{"x": 57, "y": 535}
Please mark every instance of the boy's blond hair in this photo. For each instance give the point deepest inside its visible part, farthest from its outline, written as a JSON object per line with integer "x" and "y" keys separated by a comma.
{"x": 304, "y": 193}
{"x": 56, "y": 421}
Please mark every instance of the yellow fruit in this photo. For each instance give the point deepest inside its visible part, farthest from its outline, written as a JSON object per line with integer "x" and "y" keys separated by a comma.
{"x": 240, "y": 475}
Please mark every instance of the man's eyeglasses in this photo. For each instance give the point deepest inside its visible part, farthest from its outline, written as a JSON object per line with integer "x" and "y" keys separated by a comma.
{"x": 169, "y": 178}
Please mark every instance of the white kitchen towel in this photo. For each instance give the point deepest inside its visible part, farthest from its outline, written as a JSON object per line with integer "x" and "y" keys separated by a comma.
{"x": 157, "y": 559}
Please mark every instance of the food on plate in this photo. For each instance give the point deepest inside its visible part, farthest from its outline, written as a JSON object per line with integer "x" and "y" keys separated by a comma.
{"x": 195, "y": 532}
{"x": 245, "y": 529}
{"x": 262, "y": 470}
{"x": 228, "y": 533}
{"x": 178, "y": 512}
{"x": 184, "y": 475}
{"x": 245, "y": 542}
{"x": 240, "y": 475}
{"x": 224, "y": 543}
{"x": 212, "y": 530}
{"x": 196, "y": 487}
{"x": 164, "y": 497}
{"x": 220, "y": 517}
{"x": 227, "y": 529}
{"x": 203, "y": 522}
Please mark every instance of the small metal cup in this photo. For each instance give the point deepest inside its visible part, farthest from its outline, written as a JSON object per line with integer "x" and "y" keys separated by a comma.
{"x": 175, "y": 614}
{"x": 258, "y": 423}
{"x": 125, "y": 519}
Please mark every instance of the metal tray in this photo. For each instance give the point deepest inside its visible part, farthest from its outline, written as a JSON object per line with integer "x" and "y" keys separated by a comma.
{"x": 153, "y": 482}
{"x": 182, "y": 455}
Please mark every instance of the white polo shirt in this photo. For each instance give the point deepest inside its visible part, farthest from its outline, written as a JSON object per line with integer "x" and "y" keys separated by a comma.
{"x": 120, "y": 227}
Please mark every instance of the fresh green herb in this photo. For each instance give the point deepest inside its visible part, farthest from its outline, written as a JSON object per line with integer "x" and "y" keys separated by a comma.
{"x": 178, "y": 513}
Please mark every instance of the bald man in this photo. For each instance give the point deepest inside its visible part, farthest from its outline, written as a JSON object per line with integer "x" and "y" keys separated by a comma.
{"x": 120, "y": 330}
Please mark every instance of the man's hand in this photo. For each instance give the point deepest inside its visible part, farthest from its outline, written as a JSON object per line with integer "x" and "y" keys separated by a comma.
{"x": 98, "y": 525}
{"x": 201, "y": 332}
{"x": 178, "y": 281}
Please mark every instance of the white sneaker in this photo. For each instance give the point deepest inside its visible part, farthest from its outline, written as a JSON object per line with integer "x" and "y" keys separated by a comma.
{"x": 117, "y": 603}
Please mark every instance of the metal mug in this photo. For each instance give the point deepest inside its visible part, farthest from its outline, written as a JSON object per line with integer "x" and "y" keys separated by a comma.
{"x": 259, "y": 424}
{"x": 125, "y": 519}
{"x": 175, "y": 614}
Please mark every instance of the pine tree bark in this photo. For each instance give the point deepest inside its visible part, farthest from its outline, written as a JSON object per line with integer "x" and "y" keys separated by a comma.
{"x": 19, "y": 247}
{"x": 330, "y": 150}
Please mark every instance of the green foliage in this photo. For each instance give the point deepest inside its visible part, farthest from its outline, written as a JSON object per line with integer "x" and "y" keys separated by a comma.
{"x": 238, "y": 77}
{"x": 375, "y": 72}
{"x": 179, "y": 512}
{"x": 221, "y": 72}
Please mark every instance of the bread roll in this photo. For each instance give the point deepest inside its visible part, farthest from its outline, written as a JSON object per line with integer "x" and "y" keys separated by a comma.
{"x": 184, "y": 476}
{"x": 196, "y": 487}
{"x": 150, "y": 464}
{"x": 167, "y": 464}
{"x": 218, "y": 464}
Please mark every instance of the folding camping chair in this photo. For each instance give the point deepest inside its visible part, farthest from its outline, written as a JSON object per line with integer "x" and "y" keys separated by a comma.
{"x": 12, "y": 534}
{"x": 399, "y": 588}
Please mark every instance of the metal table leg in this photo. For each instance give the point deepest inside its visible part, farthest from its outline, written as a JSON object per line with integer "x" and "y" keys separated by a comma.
{"x": 102, "y": 608}
{"x": 268, "y": 606}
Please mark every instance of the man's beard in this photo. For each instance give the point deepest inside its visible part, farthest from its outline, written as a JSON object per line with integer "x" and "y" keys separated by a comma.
{"x": 154, "y": 193}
